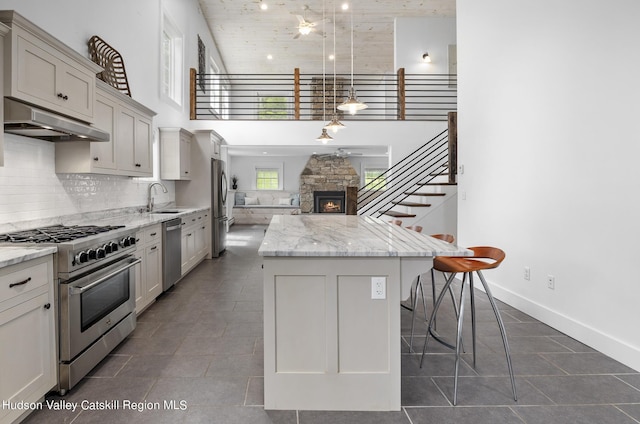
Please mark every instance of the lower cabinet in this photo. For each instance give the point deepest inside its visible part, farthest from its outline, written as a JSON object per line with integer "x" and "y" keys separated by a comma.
{"x": 149, "y": 271}
{"x": 195, "y": 239}
{"x": 27, "y": 334}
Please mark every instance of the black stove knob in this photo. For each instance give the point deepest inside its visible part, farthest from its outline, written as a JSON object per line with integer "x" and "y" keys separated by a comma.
{"x": 107, "y": 248}
{"x": 125, "y": 242}
{"x": 133, "y": 240}
{"x": 100, "y": 252}
{"x": 114, "y": 246}
{"x": 92, "y": 254}
{"x": 81, "y": 257}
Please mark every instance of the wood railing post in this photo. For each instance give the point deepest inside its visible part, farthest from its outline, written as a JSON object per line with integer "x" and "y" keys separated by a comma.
{"x": 296, "y": 93}
{"x": 453, "y": 145}
{"x": 401, "y": 95}
{"x": 192, "y": 94}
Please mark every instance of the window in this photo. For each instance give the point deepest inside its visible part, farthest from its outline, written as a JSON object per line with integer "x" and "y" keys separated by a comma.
{"x": 374, "y": 179}
{"x": 267, "y": 179}
{"x": 272, "y": 107}
{"x": 268, "y": 176}
{"x": 171, "y": 61}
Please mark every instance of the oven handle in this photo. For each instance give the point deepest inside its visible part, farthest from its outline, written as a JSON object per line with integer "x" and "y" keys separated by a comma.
{"x": 80, "y": 290}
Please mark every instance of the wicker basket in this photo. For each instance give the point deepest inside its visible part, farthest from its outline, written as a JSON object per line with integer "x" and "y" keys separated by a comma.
{"x": 106, "y": 56}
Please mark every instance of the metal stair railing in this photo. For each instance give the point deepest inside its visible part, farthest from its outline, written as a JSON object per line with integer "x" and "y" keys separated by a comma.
{"x": 420, "y": 166}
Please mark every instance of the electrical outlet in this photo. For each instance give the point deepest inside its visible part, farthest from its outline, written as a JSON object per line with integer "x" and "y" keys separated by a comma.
{"x": 378, "y": 287}
{"x": 551, "y": 282}
{"x": 527, "y": 273}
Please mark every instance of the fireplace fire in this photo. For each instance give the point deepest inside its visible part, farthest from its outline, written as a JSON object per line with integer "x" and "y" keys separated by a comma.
{"x": 329, "y": 201}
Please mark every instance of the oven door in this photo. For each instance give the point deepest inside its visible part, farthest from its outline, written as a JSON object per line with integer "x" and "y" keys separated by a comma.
{"x": 91, "y": 305}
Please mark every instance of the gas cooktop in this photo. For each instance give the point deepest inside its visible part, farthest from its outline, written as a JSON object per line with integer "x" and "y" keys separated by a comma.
{"x": 56, "y": 233}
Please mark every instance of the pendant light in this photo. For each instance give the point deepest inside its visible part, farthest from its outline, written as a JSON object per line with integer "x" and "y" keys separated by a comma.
{"x": 352, "y": 105}
{"x": 324, "y": 137}
{"x": 335, "y": 125}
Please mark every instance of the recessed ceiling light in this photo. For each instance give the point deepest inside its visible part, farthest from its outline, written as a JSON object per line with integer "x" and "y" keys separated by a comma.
{"x": 269, "y": 57}
{"x": 345, "y": 6}
{"x": 263, "y": 6}
{"x": 264, "y": 153}
{"x": 331, "y": 57}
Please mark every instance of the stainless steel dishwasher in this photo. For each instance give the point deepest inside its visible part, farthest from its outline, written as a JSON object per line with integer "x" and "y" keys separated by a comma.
{"x": 171, "y": 252}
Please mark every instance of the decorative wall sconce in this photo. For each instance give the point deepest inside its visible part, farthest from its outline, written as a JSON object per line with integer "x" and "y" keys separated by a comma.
{"x": 426, "y": 58}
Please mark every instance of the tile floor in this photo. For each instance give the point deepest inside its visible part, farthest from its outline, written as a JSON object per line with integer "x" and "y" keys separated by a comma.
{"x": 202, "y": 343}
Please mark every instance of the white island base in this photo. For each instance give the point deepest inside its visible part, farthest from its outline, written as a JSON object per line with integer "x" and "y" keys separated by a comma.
{"x": 328, "y": 344}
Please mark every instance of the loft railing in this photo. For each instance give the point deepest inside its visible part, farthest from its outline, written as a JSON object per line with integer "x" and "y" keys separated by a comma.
{"x": 436, "y": 157}
{"x": 400, "y": 96}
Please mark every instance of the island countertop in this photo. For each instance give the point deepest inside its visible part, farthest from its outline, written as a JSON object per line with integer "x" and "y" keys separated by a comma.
{"x": 349, "y": 235}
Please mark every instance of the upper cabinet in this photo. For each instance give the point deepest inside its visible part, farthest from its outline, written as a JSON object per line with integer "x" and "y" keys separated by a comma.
{"x": 175, "y": 154}
{"x": 4, "y": 30}
{"x": 129, "y": 152}
{"x": 43, "y": 71}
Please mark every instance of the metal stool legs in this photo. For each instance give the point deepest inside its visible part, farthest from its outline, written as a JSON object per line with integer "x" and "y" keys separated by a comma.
{"x": 458, "y": 343}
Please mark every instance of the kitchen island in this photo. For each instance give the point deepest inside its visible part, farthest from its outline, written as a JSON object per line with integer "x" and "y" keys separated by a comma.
{"x": 332, "y": 291}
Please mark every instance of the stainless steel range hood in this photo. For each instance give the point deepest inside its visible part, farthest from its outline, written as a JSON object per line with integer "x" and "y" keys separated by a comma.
{"x": 29, "y": 121}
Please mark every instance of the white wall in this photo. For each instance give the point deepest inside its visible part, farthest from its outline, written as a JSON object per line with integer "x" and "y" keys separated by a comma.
{"x": 416, "y": 36}
{"x": 29, "y": 187}
{"x": 548, "y": 135}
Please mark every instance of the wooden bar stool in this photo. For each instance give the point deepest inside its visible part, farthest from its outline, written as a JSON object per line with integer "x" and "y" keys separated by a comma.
{"x": 484, "y": 257}
{"x": 414, "y": 298}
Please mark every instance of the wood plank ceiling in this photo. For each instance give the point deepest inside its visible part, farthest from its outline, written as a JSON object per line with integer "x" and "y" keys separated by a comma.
{"x": 245, "y": 34}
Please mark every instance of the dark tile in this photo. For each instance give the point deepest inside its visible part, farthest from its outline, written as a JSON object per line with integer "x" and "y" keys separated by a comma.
{"x": 633, "y": 379}
{"x": 477, "y": 391}
{"x": 152, "y": 346}
{"x": 155, "y": 414}
{"x": 133, "y": 389}
{"x": 571, "y": 344}
{"x": 194, "y": 366}
{"x": 421, "y": 391}
{"x": 583, "y": 414}
{"x": 145, "y": 366}
{"x": 522, "y": 344}
{"x": 255, "y": 392}
{"x": 587, "y": 363}
{"x": 238, "y": 415}
{"x": 110, "y": 366}
{"x": 144, "y": 329}
{"x": 236, "y": 365}
{"x": 235, "y": 329}
{"x": 467, "y": 415}
{"x": 204, "y": 391}
{"x": 352, "y": 417}
{"x": 585, "y": 390}
{"x": 213, "y": 345}
{"x": 632, "y": 410}
{"x": 433, "y": 365}
{"x": 495, "y": 364}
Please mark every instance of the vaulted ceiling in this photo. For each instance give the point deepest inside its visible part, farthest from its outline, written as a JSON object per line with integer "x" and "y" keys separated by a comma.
{"x": 246, "y": 34}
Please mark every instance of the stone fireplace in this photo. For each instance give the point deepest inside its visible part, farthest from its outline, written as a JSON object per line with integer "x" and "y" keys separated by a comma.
{"x": 326, "y": 173}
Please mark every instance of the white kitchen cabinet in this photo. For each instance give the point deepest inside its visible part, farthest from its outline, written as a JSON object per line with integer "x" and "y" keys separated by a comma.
{"x": 175, "y": 154}
{"x": 27, "y": 330}
{"x": 149, "y": 249}
{"x": 4, "y": 30}
{"x": 195, "y": 239}
{"x": 128, "y": 153}
{"x": 45, "y": 72}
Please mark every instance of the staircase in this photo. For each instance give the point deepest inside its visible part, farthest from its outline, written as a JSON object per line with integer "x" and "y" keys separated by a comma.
{"x": 421, "y": 188}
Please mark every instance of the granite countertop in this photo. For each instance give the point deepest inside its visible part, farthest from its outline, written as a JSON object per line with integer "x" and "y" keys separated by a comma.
{"x": 349, "y": 235}
{"x": 10, "y": 255}
{"x": 131, "y": 218}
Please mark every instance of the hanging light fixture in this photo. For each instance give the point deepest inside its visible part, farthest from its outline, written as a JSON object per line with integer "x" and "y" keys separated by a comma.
{"x": 352, "y": 104}
{"x": 335, "y": 125}
{"x": 324, "y": 137}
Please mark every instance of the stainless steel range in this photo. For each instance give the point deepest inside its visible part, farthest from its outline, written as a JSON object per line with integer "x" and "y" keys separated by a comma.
{"x": 96, "y": 292}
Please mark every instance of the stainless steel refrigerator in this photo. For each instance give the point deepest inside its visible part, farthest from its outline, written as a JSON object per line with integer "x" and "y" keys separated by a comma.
{"x": 218, "y": 208}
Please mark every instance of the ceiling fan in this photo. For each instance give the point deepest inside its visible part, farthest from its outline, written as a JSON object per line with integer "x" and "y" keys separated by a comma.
{"x": 340, "y": 153}
{"x": 306, "y": 27}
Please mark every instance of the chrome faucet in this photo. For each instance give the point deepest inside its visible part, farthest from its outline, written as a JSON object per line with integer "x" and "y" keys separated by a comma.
{"x": 149, "y": 198}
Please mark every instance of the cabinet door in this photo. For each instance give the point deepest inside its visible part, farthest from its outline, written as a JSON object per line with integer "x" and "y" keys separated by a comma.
{"x": 126, "y": 125}
{"x": 39, "y": 76}
{"x": 27, "y": 351}
{"x": 200, "y": 242}
{"x": 142, "y": 149}
{"x": 103, "y": 154}
{"x": 153, "y": 265}
{"x": 185, "y": 157}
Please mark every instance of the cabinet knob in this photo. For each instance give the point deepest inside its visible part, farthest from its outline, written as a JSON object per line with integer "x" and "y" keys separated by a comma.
{"x": 63, "y": 96}
{"x": 47, "y": 305}
{"x": 96, "y": 158}
{"x": 138, "y": 165}
{"x": 186, "y": 172}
